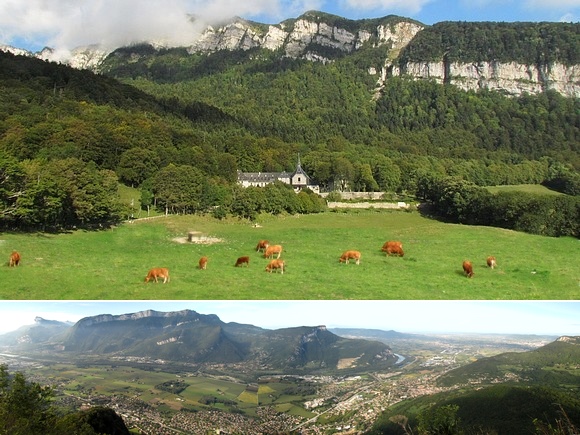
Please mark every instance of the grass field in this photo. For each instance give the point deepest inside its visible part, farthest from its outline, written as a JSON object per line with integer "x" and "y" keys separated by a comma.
{"x": 112, "y": 264}
{"x": 527, "y": 188}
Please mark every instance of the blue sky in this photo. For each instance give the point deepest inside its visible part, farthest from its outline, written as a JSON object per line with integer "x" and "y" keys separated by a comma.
{"x": 66, "y": 24}
{"x": 517, "y": 317}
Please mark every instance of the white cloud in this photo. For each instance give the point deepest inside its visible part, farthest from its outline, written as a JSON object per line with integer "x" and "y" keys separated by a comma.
{"x": 66, "y": 24}
{"x": 386, "y": 6}
{"x": 569, "y": 18}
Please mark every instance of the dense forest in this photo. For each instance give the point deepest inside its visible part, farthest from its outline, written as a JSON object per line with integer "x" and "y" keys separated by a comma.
{"x": 498, "y": 409}
{"x": 526, "y": 43}
{"x": 179, "y": 126}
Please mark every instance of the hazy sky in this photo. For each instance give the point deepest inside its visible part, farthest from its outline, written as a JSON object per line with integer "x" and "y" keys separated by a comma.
{"x": 518, "y": 317}
{"x": 66, "y": 24}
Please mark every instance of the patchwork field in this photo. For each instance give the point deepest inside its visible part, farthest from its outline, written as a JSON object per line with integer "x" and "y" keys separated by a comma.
{"x": 145, "y": 385}
{"x": 112, "y": 264}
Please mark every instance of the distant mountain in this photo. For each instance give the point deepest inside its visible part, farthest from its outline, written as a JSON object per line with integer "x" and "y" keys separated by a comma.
{"x": 547, "y": 364}
{"x": 189, "y": 337}
{"x": 377, "y": 334}
{"x": 41, "y": 332}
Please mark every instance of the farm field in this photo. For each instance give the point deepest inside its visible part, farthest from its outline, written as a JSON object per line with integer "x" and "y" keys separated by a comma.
{"x": 147, "y": 386}
{"x": 112, "y": 264}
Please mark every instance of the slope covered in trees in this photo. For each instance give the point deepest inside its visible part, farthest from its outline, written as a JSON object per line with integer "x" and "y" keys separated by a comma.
{"x": 183, "y": 124}
{"x": 525, "y": 43}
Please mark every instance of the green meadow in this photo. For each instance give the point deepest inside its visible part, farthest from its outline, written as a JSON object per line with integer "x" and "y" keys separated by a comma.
{"x": 111, "y": 264}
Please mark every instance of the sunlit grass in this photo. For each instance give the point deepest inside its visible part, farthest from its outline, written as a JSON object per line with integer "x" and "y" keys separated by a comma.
{"x": 112, "y": 264}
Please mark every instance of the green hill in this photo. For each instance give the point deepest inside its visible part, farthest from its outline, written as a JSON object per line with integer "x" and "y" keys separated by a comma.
{"x": 511, "y": 393}
{"x": 499, "y": 409}
{"x": 554, "y": 364}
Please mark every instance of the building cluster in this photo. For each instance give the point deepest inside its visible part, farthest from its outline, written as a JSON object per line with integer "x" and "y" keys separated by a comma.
{"x": 298, "y": 179}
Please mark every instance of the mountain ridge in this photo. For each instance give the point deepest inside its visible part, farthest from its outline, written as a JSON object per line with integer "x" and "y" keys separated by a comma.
{"x": 189, "y": 337}
{"x": 321, "y": 37}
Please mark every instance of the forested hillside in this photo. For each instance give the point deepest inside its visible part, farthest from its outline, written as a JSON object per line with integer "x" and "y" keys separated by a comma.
{"x": 515, "y": 393}
{"x": 182, "y": 124}
{"x": 525, "y": 43}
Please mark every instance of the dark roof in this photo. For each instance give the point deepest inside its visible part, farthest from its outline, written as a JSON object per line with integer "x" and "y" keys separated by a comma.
{"x": 262, "y": 176}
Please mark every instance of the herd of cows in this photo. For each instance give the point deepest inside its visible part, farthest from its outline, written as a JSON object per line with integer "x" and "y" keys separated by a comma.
{"x": 390, "y": 247}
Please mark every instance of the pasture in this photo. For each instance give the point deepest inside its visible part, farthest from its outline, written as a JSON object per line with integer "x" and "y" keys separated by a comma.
{"x": 112, "y": 264}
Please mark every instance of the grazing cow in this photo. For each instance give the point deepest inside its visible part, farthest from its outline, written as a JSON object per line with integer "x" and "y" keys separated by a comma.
{"x": 393, "y": 248}
{"x": 349, "y": 255}
{"x": 156, "y": 273}
{"x": 468, "y": 268}
{"x": 262, "y": 245}
{"x": 242, "y": 260}
{"x": 203, "y": 263}
{"x": 271, "y": 250}
{"x": 14, "y": 259}
{"x": 275, "y": 265}
{"x": 491, "y": 262}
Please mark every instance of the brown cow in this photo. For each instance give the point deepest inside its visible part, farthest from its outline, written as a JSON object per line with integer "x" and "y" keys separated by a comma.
{"x": 156, "y": 273}
{"x": 275, "y": 265}
{"x": 14, "y": 259}
{"x": 271, "y": 250}
{"x": 393, "y": 248}
{"x": 491, "y": 262}
{"x": 468, "y": 268}
{"x": 349, "y": 255}
{"x": 242, "y": 260}
{"x": 262, "y": 245}
{"x": 203, "y": 263}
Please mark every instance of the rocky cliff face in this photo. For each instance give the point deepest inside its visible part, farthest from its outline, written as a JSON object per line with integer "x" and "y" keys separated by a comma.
{"x": 318, "y": 37}
{"x": 295, "y": 38}
{"x": 512, "y": 78}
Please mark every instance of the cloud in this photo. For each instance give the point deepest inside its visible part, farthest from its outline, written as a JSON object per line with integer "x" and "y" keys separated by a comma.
{"x": 386, "y": 6}
{"x": 66, "y": 24}
{"x": 568, "y": 18}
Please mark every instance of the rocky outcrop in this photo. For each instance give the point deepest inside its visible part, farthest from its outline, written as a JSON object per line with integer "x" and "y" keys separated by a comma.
{"x": 295, "y": 38}
{"x": 511, "y": 78}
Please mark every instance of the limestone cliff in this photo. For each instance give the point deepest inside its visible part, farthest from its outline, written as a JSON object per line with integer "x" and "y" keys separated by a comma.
{"x": 509, "y": 77}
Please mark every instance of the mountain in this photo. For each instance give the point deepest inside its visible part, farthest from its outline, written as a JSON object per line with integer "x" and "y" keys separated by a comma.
{"x": 376, "y": 334}
{"x": 510, "y": 393}
{"x": 41, "y": 332}
{"x": 190, "y": 337}
{"x": 552, "y": 364}
{"x": 514, "y": 58}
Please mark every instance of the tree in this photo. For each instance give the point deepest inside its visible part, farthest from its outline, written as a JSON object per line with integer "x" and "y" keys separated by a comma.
{"x": 177, "y": 188}
{"x": 95, "y": 421}
{"x": 12, "y": 180}
{"x": 25, "y": 407}
{"x": 136, "y": 165}
{"x": 441, "y": 420}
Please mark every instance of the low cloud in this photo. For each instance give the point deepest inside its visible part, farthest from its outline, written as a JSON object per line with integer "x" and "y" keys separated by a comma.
{"x": 66, "y": 24}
